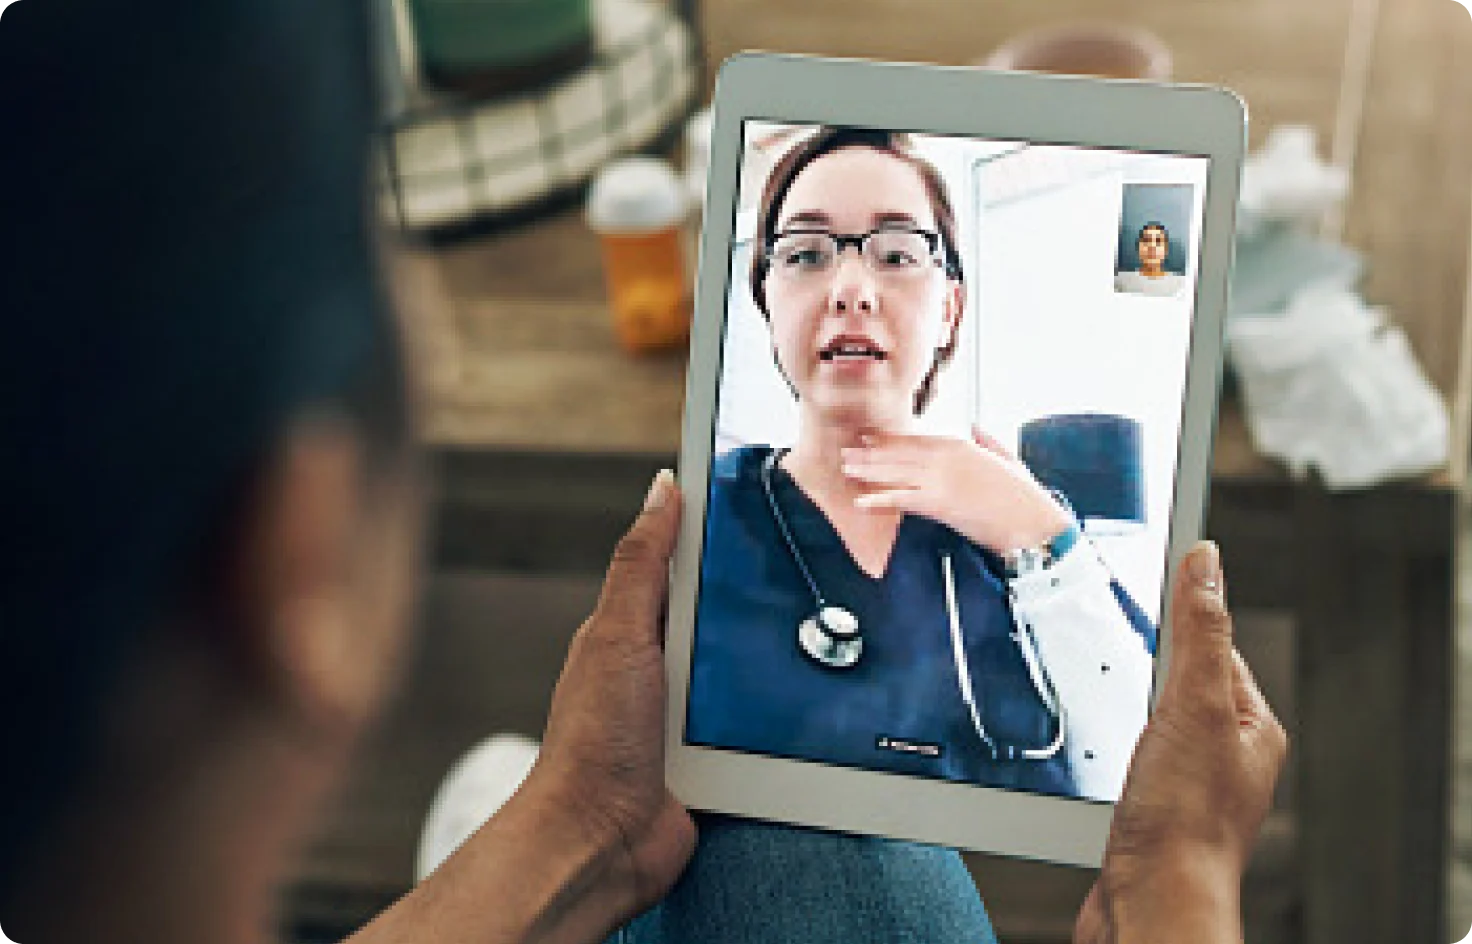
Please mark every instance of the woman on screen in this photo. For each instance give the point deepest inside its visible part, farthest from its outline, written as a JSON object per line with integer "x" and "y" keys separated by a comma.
{"x": 876, "y": 597}
{"x": 1152, "y": 245}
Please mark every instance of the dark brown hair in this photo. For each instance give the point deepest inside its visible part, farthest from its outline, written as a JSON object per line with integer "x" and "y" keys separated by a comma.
{"x": 1149, "y": 226}
{"x": 825, "y": 141}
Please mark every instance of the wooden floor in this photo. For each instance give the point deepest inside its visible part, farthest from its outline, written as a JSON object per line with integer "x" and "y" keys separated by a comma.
{"x": 491, "y": 646}
{"x": 489, "y": 653}
{"x": 1460, "y": 903}
{"x": 490, "y": 649}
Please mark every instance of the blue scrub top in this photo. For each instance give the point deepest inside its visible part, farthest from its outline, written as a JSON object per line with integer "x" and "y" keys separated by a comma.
{"x": 899, "y": 709}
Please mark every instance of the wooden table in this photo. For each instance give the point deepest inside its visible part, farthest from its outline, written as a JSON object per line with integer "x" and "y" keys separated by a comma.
{"x": 546, "y": 436}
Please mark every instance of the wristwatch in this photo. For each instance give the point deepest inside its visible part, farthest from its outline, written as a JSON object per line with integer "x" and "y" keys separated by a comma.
{"x": 1023, "y": 561}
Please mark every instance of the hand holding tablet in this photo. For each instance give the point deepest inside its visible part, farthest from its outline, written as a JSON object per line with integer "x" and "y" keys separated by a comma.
{"x": 877, "y": 622}
{"x": 1200, "y": 786}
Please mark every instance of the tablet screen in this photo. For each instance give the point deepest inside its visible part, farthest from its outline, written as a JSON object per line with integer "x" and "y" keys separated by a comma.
{"x": 945, "y": 445}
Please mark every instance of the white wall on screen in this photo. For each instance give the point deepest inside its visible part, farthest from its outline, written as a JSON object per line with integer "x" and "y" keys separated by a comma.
{"x": 1054, "y": 337}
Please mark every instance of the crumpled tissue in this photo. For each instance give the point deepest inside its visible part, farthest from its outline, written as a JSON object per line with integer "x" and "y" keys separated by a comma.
{"x": 1330, "y": 385}
{"x": 1278, "y": 260}
{"x": 1327, "y": 382}
{"x": 1285, "y": 179}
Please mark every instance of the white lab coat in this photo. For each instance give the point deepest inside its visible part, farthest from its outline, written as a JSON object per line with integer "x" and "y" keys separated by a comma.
{"x": 1097, "y": 663}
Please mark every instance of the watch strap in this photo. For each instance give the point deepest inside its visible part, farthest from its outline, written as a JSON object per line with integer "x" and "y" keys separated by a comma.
{"x": 1032, "y": 559}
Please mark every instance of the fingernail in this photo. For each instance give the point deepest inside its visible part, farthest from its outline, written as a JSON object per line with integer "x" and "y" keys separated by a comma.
{"x": 1206, "y": 567}
{"x": 659, "y": 490}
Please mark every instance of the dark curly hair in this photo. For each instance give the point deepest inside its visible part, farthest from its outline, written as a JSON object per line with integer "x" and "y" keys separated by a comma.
{"x": 825, "y": 141}
{"x": 1154, "y": 225}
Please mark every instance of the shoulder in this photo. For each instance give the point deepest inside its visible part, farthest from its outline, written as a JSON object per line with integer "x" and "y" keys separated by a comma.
{"x": 736, "y": 483}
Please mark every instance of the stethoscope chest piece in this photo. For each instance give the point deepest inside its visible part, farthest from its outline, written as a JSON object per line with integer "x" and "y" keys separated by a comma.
{"x": 831, "y": 638}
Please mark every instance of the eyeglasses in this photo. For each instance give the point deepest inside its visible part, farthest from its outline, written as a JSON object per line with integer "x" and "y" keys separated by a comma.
{"x": 898, "y": 253}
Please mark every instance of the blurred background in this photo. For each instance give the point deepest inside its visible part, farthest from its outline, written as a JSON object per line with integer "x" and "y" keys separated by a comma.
{"x": 549, "y": 319}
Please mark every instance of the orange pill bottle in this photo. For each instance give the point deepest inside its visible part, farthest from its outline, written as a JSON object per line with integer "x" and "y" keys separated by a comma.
{"x": 638, "y": 207}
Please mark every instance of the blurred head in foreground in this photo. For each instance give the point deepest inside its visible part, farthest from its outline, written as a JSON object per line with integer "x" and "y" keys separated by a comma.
{"x": 211, "y": 497}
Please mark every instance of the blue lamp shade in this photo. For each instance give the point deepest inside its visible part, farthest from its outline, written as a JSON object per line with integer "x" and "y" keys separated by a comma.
{"x": 1095, "y": 460}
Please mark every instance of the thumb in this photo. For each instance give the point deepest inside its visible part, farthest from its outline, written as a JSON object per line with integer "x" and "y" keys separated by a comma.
{"x": 1092, "y": 924}
{"x": 1202, "y": 664}
{"x": 638, "y": 578}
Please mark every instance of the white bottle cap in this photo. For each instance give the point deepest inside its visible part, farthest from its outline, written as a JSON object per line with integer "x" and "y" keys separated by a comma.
{"x": 697, "y": 155}
{"x": 636, "y": 195}
{"x": 697, "y": 136}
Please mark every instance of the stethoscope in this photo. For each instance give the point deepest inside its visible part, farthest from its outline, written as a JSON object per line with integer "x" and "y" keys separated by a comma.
{"x": 831, "y": 638}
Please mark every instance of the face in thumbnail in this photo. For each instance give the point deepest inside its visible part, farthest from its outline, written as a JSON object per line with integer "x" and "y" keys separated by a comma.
{"x": 1152, "y": 246}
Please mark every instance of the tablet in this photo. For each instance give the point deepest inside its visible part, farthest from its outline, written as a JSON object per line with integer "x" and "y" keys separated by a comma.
{"x": 952, "y": 392}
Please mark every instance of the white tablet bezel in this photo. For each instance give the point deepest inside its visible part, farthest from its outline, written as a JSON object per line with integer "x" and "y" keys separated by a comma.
{"x": 1195, "y": 120}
